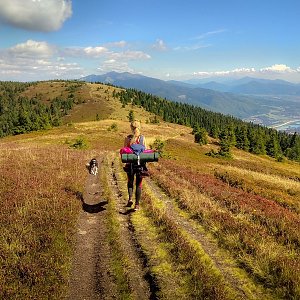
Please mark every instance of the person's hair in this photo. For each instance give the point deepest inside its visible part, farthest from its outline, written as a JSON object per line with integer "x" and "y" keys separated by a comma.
{"x": 136, "y": 130}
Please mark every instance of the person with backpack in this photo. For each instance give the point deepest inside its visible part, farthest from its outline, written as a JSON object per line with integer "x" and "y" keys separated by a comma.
{"x": 136, "y": 142}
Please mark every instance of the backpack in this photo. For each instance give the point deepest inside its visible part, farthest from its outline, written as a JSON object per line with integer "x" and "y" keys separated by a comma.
{"x": 139, "y": 147}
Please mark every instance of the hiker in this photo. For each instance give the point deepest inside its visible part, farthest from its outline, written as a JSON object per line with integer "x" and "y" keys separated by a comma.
{"x": 137, "y": 143}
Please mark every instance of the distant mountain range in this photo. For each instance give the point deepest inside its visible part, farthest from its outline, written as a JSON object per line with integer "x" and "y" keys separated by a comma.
{"x": 252, "y": 86}
{"x": 237, "y": 98}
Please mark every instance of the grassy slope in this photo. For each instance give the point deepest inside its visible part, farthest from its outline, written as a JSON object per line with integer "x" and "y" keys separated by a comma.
{"x": 39, "y": 205}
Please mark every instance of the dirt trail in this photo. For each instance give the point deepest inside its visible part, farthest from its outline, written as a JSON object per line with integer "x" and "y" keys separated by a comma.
{"x": 90, "y": 276}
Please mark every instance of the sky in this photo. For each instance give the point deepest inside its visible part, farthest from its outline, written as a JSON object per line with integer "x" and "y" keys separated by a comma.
{"x": 165, "y": 39}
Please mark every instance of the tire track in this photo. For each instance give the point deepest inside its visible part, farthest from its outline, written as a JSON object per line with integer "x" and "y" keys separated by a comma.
{"x": 140, "y": 280}
{"x": 232, "y": 274}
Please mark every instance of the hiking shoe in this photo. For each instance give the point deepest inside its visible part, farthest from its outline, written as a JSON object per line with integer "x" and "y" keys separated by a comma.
{"x": 136, "y": 207}
{"x": 145, "y": 173}
{"x": 129, "y": 203}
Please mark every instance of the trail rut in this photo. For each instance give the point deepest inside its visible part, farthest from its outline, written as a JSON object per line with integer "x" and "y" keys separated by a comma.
{"x": 91, "y": 277}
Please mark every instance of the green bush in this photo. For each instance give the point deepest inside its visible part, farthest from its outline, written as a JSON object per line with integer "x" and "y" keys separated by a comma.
{"x": 80, "y": 143}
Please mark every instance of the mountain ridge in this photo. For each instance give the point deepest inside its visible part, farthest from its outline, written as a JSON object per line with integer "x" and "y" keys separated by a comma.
{"x": 238, "y": 105}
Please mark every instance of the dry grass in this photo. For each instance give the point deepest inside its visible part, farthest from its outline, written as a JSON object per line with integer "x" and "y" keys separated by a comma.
{"x": 38, "y": 189}
{"x": 261, "y": 235}
{"x": 253, "y": 212}
{"x": 259, "y": 177}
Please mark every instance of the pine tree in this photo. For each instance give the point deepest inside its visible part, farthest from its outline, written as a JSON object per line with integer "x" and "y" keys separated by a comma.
{"x": 225, "y": 144}
{"x": 131, "y": 116}
{"x": 201, "y": 136}
{"x": 272, "y": 146}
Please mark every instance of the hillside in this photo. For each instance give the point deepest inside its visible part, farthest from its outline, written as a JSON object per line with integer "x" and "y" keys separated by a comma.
{"x": 273, "y": 103}
{"x": 208, "y": 227}
{"x": 226, "y": 103}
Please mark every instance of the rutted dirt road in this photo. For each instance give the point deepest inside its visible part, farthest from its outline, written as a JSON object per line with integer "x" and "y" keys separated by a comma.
{"x": 93, "y": 274}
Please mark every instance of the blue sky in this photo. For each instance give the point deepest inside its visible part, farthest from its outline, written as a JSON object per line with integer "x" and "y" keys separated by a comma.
{"x": 47, "y": 39}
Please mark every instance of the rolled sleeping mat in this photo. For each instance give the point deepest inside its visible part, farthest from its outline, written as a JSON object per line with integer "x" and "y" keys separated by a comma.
{"x": 144, "y": 157}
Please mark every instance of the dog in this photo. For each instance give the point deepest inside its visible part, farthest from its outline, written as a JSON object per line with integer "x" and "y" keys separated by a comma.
{"x": 93, "y": 166}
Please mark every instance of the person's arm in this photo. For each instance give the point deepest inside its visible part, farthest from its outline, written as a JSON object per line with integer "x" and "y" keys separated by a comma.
{"x": 126, "y": 142}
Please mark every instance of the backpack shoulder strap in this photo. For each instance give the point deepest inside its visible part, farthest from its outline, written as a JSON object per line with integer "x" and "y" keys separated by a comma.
{"x": 141, "y": 140}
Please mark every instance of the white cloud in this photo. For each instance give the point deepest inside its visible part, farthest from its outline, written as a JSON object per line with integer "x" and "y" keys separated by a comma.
{"x": 105, "y": 51}
{"x": 113, "y": 65}
{"x": 37, "y": 15}
{"x": 90, "y": 52}
{"x": 276, "y": 71}
{"x": 240, "y": 71}
{"x": 95, "y": 51}
{"x": 32, "y": 49}
{"x": 279, "y": 68}
{"x": 35, "y": 60}
{"x": 159, "y": 45}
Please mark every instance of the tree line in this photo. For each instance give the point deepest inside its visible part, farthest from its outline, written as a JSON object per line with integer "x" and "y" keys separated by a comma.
{"x": 231, "y": 131}
{"x": 20, "y": 114}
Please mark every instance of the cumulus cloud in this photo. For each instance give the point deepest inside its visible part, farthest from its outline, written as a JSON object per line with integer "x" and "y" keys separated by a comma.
{"x": 114, "y": 65}
{"x": 38, "y": 60}
{"x": 32, "y": 49}
{"x": 90, "y": 52}
{"x": 37, "y": 15}
{"x": 95, "y": 51}
{"x": 34, "y": 60}
{"x": 27, "y": 69}
{"x": 279, "y": 68}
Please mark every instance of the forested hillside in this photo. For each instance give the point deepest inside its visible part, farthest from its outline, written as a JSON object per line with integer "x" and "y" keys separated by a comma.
{"x": 26, "y": 107}
{"x": 22, "y": 112}
{"x": 246, "y": 136}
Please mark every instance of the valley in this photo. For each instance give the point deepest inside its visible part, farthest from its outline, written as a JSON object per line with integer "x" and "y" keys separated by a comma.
{"x": 284, "y": 113}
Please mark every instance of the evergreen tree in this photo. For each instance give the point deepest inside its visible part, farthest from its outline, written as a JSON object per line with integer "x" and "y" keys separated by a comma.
{"x": 225, "y": 144}
{"x": 131, "y": 116}
{"x": 293, "y": 152}
{"x": 242, "y": 141}
{"x": 272, "y": 146}
{"x": 257, "y": 143}
{"x": 201, "y": 136}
